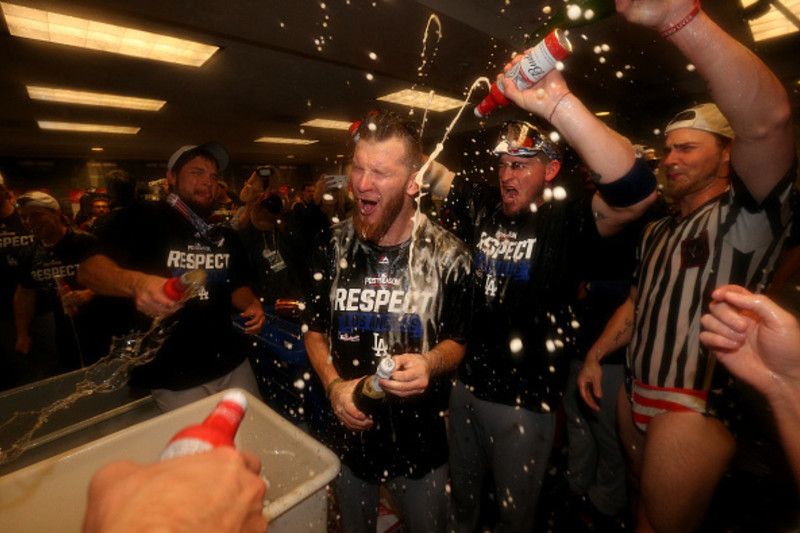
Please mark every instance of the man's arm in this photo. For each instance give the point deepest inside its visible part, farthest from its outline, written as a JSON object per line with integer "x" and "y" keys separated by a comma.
{"x": 414, "y": 370}
{"x": 340, "y": 391}
{"x": 245, "y": 301}
{"x": 24, "y": 309}
{"x": 603, "y": 150}
{"x": 759, "y": 343}
{"x": 617, "y": 333}
{"x": 746, "y": 91}
{"x": 102, "y": 275}
{"x": 215, "y": 491}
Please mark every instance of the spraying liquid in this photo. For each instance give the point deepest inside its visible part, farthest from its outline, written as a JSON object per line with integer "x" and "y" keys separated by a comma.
{"x": 106, "y": 375}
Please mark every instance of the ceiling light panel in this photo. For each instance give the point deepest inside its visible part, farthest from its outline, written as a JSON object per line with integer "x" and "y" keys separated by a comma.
{"x": 69, "y": 96}
{"x": 328, "y": 124}
{"x": 101, "y": 128}
{"x": 422, "y": 100}
{"x": 74, "y": 31}
{"x": 775, "y": 22}
{"x": 284, "y": 140}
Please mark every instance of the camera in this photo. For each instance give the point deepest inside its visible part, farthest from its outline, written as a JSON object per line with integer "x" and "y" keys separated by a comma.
{"x": 272, "y": 203}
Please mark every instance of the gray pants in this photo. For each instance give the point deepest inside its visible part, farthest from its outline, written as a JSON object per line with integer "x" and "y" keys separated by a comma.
{"x": 596, "y": 465}
{"x": 241, "y": 377}
{"x": 422, "y": 503}
{"x": 511, "y": 444}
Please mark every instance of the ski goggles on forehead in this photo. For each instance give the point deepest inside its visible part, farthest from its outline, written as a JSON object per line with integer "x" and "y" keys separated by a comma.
{"x": 522, "y": 139}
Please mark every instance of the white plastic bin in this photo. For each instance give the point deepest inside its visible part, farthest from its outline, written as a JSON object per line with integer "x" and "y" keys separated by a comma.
{"x": 51, "y": 495}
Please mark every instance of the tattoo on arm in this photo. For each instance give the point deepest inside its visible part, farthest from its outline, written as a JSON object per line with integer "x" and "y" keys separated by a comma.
{"x": 624, "y": 329}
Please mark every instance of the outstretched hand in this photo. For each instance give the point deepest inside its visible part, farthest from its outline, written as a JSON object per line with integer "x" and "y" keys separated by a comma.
{"x": 753, "y": 337}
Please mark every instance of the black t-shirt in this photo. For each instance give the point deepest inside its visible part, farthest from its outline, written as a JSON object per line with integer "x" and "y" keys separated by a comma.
{"x": 153, "y": 237}
{"x": 86, "y": 335}
{"x": 40, "y": 266}
{"x": 13, "y": 239}
{"x": 278, "y": 262}
{"x": 371, "y": 304}
{"x": 525, "y": 271}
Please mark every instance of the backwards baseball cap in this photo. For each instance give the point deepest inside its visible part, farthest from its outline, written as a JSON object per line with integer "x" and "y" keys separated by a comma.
{"x": 705, "y": 117}
{"x": 522, "y": 139}
{"x": 215, "y": 149}
{"x": 38, "y": 199}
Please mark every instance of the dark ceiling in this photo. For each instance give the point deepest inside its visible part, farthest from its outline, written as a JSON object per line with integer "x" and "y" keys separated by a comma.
{"x": 270, "y": 76}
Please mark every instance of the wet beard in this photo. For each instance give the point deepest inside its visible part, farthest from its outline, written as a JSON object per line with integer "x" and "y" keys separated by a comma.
{"x": 374, "y": 232}
{"x": 203, "y": 211}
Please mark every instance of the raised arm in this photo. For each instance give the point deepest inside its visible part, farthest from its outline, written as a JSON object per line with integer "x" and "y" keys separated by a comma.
{"x": 746, "y": 91}
{"x": 625, "y": 189}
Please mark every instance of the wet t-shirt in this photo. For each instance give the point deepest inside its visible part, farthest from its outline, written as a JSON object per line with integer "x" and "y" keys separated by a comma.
{"x": 526, "y": 270}
{"x": 371, "y": 304}
{"x": 153, "y": 237}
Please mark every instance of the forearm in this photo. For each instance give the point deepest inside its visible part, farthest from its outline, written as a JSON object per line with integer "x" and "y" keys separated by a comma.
{"x": 755, "y": 99}
{"x": 603, "y": 150}
{"x": 320, "y": 358}
{"x": 617, "y": 333}
{"x": 102, "y": 275}
{"x": 445, "y": 357}
{"x": 785, "y": 402}
{"x": 24, "y": 309}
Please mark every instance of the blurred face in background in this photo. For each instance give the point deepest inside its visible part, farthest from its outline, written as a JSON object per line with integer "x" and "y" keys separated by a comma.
{"x": 100, "y": 208}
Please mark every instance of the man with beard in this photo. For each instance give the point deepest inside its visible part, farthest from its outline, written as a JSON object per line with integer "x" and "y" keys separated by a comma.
{"x": 731, "y": 169}
{"x": 529, "y": 255}
{"x": 53, "y": 258}
{"x": 388, "y": 283}
{"x": 149, "y": 242}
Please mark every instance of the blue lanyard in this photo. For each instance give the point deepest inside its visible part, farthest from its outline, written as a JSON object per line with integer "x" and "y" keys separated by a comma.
{"x": 199, "y": 224}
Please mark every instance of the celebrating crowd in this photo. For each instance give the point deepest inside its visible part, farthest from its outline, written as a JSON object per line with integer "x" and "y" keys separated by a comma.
{"x": 491, "y": 312}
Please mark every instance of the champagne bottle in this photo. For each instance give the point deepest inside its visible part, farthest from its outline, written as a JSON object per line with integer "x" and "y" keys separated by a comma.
{"x": 179, "y": 287}
{"x": 573, "y": 14}
{"x": 63, "y": 290}
{"x": 368, "y": 394}
{"x": 218, "y": 429}
{"x": 535, "y": 64}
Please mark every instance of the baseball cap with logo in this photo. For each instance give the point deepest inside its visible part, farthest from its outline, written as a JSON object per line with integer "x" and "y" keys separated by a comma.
{"x": 705, "y": 117}
{"x": 215, "y": 149}
{"x": 38, "y": 199}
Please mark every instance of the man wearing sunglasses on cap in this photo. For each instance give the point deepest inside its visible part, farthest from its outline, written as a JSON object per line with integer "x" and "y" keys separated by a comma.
{"x": 529, "y": 253}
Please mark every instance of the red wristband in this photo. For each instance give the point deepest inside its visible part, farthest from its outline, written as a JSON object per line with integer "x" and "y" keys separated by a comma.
{"x": 686, "y": 20}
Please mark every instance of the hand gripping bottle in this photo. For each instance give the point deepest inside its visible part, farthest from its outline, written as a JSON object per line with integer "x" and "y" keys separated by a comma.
{"x": 368, "y": 394}
{"x": 533, "y": 66}
{"x": 63, "y": 289}
{"x": 218, "y": 429}
{"x": 178, "y": 287}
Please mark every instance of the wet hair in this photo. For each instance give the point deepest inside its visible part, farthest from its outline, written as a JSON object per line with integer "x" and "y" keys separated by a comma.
{"x": 188, "y": 155}
{"x": 382, "y": 125}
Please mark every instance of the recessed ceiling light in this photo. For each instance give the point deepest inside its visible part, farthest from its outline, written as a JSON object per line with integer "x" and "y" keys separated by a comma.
{"x": 284, "y": 140}
{"x": 602, "y": 113}
{"x": 95, "y": 35}
{"x": 97, "y": 149}
{"x": 777, "y": 21}
{"x": 329, "y": 124}
{"x": 102, "y": 128}
{"x": 69, "y": 96}
{"x": 422, "y": 100}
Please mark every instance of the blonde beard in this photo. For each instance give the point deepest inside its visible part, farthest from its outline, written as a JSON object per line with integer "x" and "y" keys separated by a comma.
{"x": 375, "y": 231}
